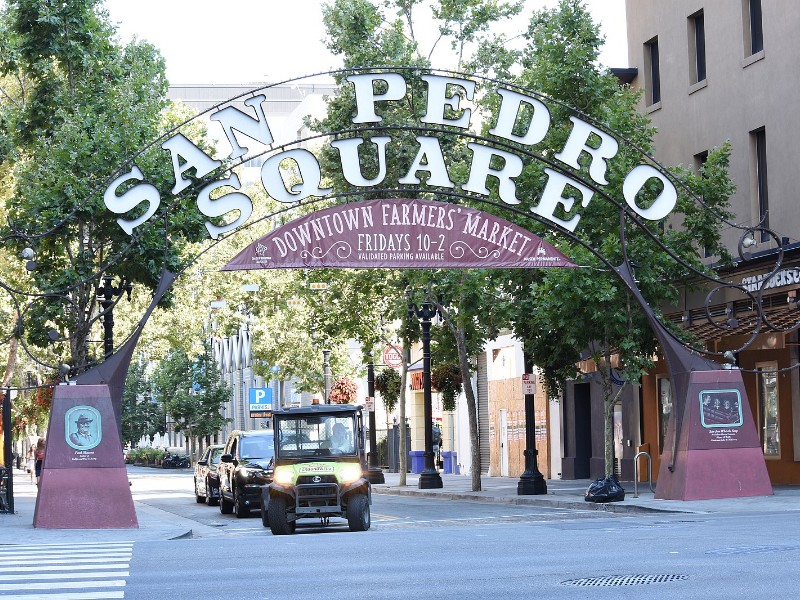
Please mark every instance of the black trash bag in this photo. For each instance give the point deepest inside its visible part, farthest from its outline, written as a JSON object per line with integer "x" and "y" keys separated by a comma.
{"x": 607, "y": 489}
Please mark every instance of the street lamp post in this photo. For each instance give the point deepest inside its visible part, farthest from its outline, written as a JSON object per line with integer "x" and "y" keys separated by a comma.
{"x": 7, "y": 453}
{"x": 531, "y": 482}
{"x": 430, "y": 477}
{"x": 374, "y": 472}
{"x": 106, "y": 294}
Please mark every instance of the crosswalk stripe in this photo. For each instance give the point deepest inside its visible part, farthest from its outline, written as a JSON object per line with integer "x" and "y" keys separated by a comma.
{"x": 74, "y": 561}
{"x": 64, "y": 554}
{"x": 98, "y": 595}
{"x": 65, "y": 585}
{"x": 74, "y": 575}
{"x": 91, "y": 571}
{"x": 62, "y": 568}
{"x": 10, "y": 549}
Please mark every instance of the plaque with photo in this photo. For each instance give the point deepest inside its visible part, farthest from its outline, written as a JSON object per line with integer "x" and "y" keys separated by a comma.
{"x": 720, "y": 408}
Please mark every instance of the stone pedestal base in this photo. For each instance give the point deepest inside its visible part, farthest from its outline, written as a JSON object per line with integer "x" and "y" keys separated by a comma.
{"x": 84, "y": 483}
{"x": 717, "y": 452}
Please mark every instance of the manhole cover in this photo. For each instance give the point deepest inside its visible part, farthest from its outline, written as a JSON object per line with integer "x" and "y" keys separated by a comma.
{"x": 617, "y": 580}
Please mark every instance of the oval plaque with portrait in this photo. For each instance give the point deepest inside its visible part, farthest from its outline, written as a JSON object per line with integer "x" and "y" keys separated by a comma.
{"x": 83, "y": 427}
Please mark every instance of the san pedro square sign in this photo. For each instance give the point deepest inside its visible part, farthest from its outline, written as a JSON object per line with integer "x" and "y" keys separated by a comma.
{"x": 294, "y": 175}
{"x": 398, "y": 234}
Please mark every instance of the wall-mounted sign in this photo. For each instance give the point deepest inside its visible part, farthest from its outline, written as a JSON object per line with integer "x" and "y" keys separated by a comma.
{"x": 783, "y": 277}
{"x": 416, "y": 380}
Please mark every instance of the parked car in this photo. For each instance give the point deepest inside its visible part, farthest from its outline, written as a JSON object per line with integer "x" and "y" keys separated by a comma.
{"x": 206, "y": 481}
{"x": 175, "y": 461}
{"x": 244, "y": 467}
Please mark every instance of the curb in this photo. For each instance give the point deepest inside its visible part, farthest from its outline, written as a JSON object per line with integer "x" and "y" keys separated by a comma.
{"x": 614, "y": 507}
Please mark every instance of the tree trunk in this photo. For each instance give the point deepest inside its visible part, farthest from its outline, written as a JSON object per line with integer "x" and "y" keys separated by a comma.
{"x": 402, "y": 450}
{"x": 472, "y": 410}
{"x": 11, "y": 361}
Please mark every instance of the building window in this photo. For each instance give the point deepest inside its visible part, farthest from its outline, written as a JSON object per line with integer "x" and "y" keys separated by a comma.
{"x": 652, "y": 72}
{"x": 759, "y": 144}
{"x": 753, "y": 32}
{"x": 697, "y": 47}
{"x": 768, "y": 423}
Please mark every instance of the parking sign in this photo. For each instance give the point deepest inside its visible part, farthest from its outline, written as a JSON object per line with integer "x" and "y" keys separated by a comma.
{"x": 260, "y": 400}
{"x": 528, "y": 383}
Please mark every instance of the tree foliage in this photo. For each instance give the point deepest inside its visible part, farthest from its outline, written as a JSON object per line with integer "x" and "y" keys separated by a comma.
{"x": 192, "y": 393}
{"x": 564, "y": 315}
{"x": 74, "y": 105}
{"x": 141, "y": 415}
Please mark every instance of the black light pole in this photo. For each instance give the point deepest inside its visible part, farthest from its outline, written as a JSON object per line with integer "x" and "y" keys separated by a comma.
{"x": 106, "y": 294}
{"x": 7, "y": 451}
{"x": 531, "y": 482}
{"x": 374, "y": 472}
{"x": 430, "y": 477}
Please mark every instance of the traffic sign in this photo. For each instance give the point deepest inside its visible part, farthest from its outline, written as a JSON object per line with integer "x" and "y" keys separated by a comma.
{"x": 370, "y": 404}
{"x": 528, "y": 383}
{"x": 392, "y": 358}
{"x": 260, "y": 401}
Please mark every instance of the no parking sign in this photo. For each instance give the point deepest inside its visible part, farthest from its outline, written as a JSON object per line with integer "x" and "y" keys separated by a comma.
{"x": 392, "y": 357}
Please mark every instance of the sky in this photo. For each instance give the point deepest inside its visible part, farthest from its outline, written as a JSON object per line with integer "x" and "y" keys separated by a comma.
{"x": 251, "y": 41}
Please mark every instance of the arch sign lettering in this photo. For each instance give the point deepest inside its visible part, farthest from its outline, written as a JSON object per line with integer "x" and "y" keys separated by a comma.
{"x": 447, "y": 102}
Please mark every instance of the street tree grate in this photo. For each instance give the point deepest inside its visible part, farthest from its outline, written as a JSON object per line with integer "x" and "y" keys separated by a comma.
{"x": 619, "y": 580}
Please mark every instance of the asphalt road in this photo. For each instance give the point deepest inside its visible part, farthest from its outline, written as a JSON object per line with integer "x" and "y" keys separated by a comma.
{"x": 420, "y": 548}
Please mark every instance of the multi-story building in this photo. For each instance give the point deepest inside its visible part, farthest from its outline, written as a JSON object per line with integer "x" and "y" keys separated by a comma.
{"x": 711, "y": 71}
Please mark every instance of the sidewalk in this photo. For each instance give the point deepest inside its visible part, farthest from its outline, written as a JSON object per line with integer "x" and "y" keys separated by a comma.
{"x": 570, "y": 494}
{"x": 156, "y": 524}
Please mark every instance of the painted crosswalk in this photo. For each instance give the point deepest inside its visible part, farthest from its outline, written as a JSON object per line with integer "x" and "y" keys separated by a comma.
{"x": 88, "y": 571}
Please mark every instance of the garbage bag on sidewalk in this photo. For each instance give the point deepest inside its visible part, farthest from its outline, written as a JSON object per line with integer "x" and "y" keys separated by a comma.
{"x": 607, "y": 489}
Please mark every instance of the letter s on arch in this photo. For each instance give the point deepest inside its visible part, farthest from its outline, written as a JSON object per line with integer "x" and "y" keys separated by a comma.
{"x": 144, "y": 192}
{"x": 223, "y": 205}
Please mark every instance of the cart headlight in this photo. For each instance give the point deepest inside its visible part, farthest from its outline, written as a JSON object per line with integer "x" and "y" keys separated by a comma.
{"x": 350, "y": 473}
{"x": 284, "y": 475}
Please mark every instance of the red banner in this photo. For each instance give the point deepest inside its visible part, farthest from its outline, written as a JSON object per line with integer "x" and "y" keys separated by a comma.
{"x": 398, "y": 234}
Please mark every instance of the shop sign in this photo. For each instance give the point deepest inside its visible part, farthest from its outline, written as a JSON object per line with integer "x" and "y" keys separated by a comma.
{"x": 782, "y": 278}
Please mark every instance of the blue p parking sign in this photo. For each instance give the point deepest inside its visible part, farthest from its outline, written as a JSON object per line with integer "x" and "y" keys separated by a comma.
{"x": 260, "y": 401}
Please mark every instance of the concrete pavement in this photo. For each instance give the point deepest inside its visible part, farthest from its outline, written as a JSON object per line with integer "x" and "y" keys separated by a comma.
{"x": 156, "y": 524}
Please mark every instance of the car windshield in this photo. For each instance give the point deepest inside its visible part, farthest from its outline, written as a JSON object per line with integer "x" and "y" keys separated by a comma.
{"x": 316, "y": 435}
{"x": 256, "y": 446}
{"x": 213, "y": 458}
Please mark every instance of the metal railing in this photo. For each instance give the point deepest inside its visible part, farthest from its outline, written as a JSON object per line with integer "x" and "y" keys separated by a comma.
{"x": 636, "y": 473}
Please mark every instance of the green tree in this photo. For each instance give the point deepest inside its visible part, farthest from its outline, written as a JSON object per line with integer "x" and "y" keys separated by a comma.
{"x": 75, "y": 104}
{"x": 561, "y": 314}
{"x": 192, "y": 393}
{"x": 364, "y": 35}
{"x": 141, "y": 416}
